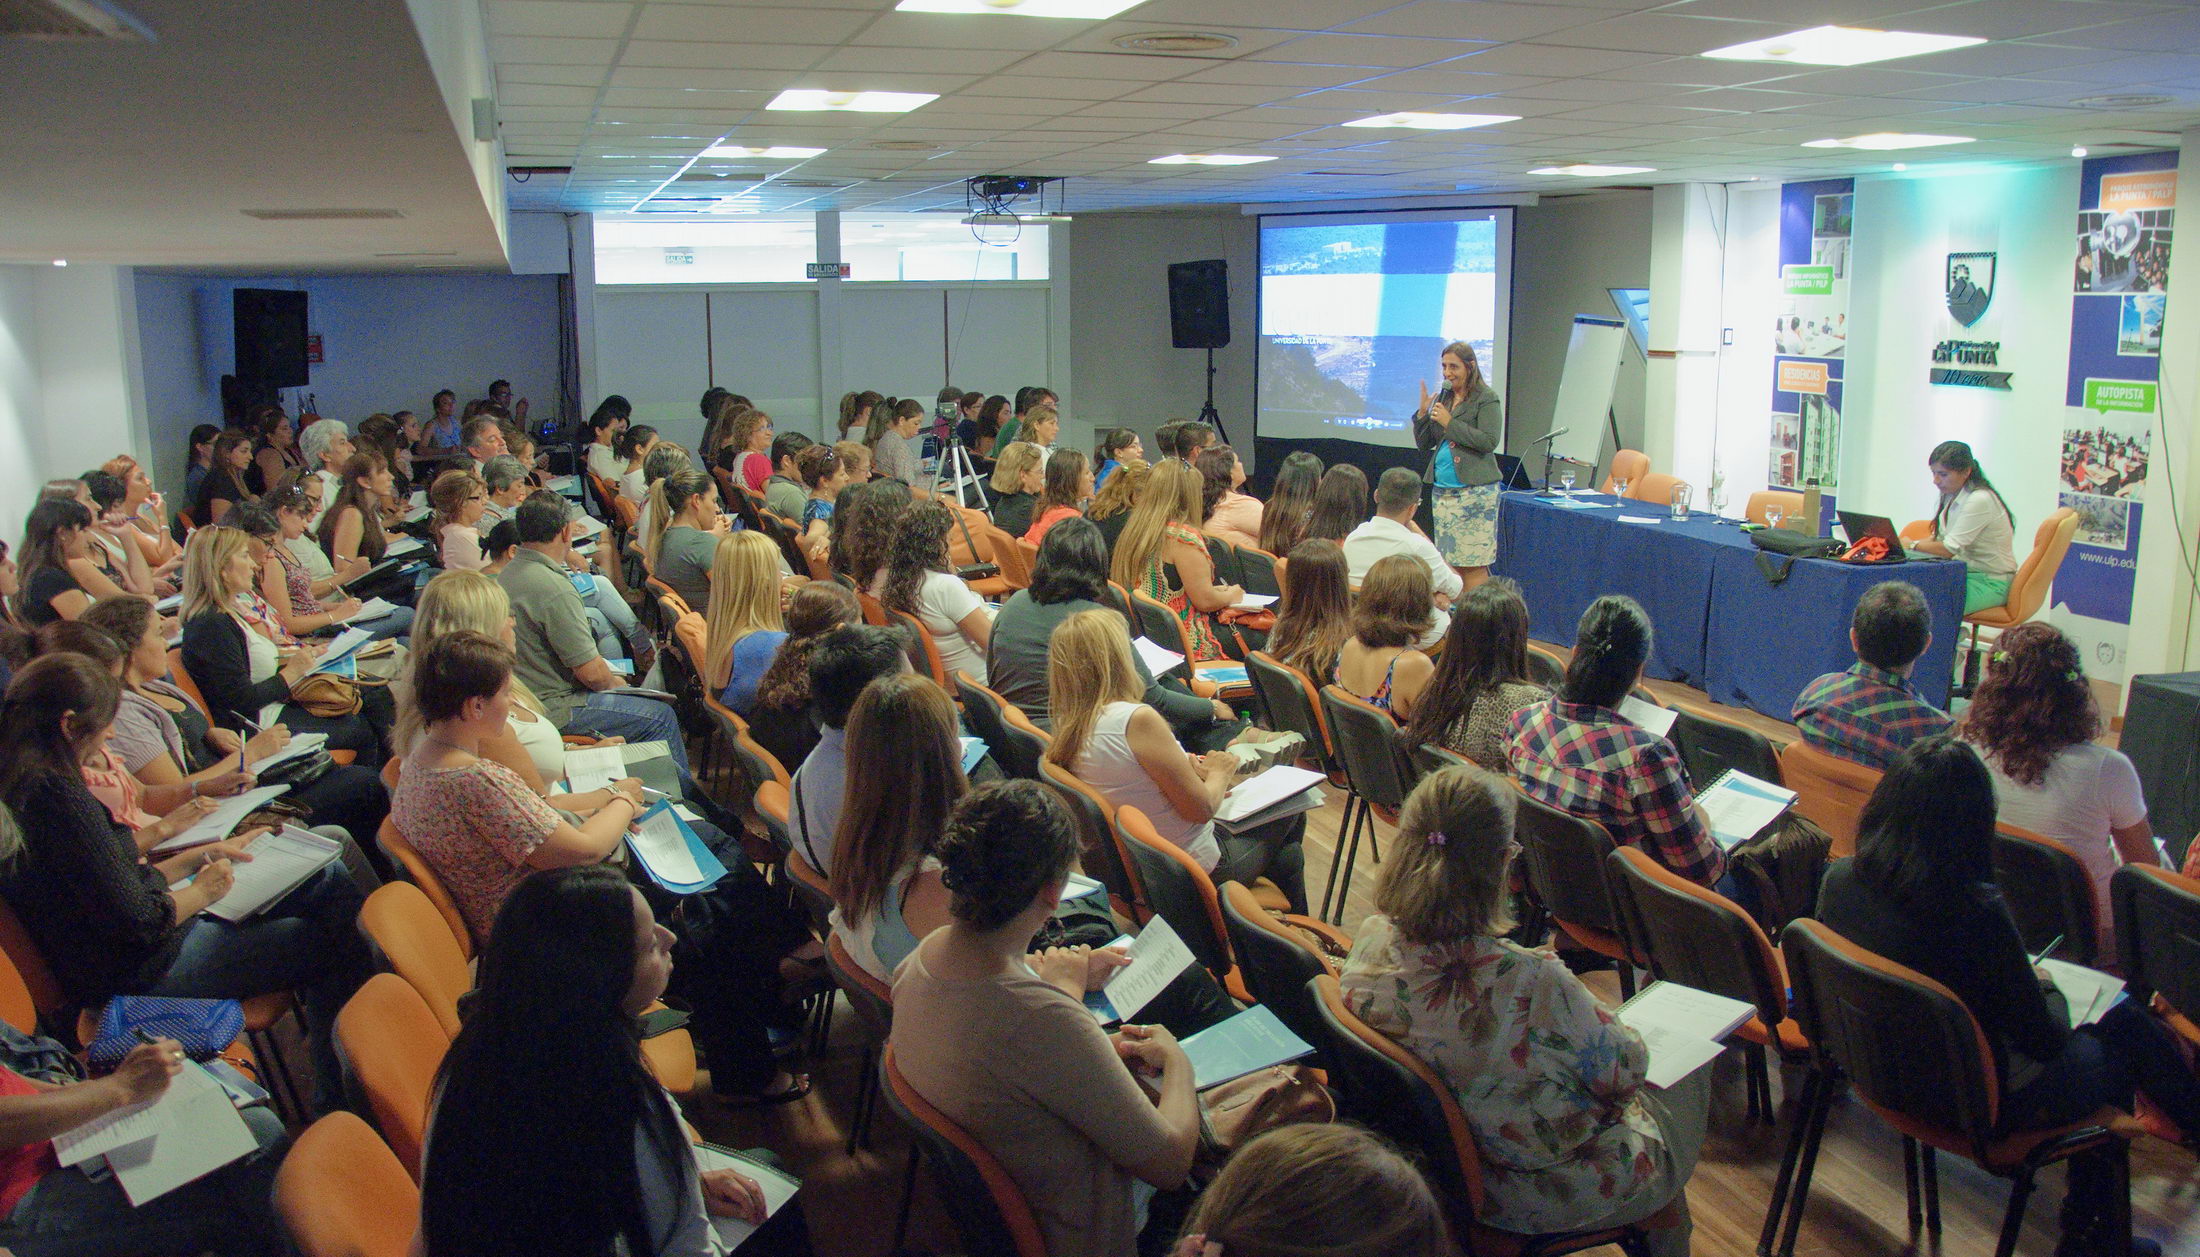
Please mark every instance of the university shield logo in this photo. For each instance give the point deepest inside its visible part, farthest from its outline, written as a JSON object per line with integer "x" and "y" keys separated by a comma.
{"x": 1969, "y": 284}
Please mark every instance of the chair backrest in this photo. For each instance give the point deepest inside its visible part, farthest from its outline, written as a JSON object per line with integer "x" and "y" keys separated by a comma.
{"x": 811, "y": 887}
{"x": 625, "y": 515}
{"x": 1274, "y": 961}
{"x": 872, "y": 999}
{"x": 1366, "y": 739}
{"x": 1430, "y": 758}
{"x": 1710, "y": 744}
{"x": 1098, "y": 852}
{"x": 182, "y": 677}
{"x": 755, "y": 764}
{"x": 874, "y": 611}
{"x": 1389, "y": 1090}
{"x": 1830, "y": 791}
{"x": 1565, "y": 856}
{"x": 40, "y": 985}
{"x": 666, "y": 593}
{"x": 1223, "y": 556}
{"x": 421, "y": 874}
{"x": 1545, "y": 668}
{"x": 1907, "y": 1044}
{"x": 1159, "y": 625}
{"x": 1916, "y": 530}
{"x": 988, "y": 1209}
{"x": 1257, "y": 571}
{"x": 1178, "y": 890}
{"x": 1290, "y": 701}
{"x": 2049, "y": 892}
{"x": 924, "y": 649}
{"x": 1120, "y": 598}
{"x": 1009, "y": 557}
{"x": 982, "y": 710}
{"x": 1694, "y": 936}
{"x": 393, "y": 1045}
{"x": 1633, "y": 464}
{"x": 417, "y": 942}
{"x": 17, "y": 1008}
{"x": 1655, "y": 487}
{"x": 784, "y": 537}
{"x": 2158, "y": 935}
{"x": 341, "y": 1192}
{"x": 2050, "y": 542}
{"x": 1023, "y": 744}
{"x": 1789, "y": 502}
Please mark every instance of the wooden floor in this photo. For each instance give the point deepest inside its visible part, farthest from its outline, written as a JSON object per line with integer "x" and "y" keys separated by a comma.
{"x": 1856, "y": 1207}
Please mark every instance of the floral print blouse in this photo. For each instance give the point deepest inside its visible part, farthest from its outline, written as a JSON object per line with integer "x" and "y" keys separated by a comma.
{"x": 1547, "y": 1079}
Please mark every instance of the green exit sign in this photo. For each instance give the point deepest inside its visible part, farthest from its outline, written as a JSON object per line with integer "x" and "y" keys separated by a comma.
{"x": 1807, "y": 281}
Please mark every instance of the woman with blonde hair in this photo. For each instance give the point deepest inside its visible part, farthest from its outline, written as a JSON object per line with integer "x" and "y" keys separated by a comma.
{"x": 1552, "y": 1086}
{"x": 1317, "y": 1190}
{"x": 471, "y": 602}
{"x": 746, "y": 626}
{"x": 459, "y": 497}
{"x": 1392, "y": 613}
{"x": 1164, "y": 532}
{"x": 1019, "y": 475}
{"x": 1111, "y": 506}
{"x": 1107, "y": 736}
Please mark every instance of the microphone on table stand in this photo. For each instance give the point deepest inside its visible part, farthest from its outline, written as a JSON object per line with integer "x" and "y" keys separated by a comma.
{"x": 1548, "y": 458}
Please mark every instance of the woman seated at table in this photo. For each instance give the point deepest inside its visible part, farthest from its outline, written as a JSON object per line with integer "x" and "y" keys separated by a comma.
{"x": 1068, "y": 487}
{"x": 1163, "y": 534}
{"x": 352, "y": 526}
{"x": 169, "y": 745}
{"x": 1008, "y": 1051}
{"x": 1378, "y": 663}
{"x": 1551, "y": 1085}
{"x": 1341, "y": 503}
{"x": 689, "y": 544}
{"x": 916, "y": 580}
{"x": 549, "y": 1059}
{"x": 1921, "y": 892}
{"x": 747, "y": 626}
{"x": 1314, "y": 616}
{"x": 460, "y": 499}
{"x": 246, "y": 678}
{"x": 1576, "y": 753}
{"x": 1018, "y": 478}
{"x": 108, "y": 922}
{"x": 1111, "y": 506}
{"x": 482, "y": 830}
{"x": 1481, "y": 678}
{"x": 1973, "y": 524}
{"x": 1229, "y": 514}
{"x": 2033, "y": 720}
{"x": 1109, "y": 739}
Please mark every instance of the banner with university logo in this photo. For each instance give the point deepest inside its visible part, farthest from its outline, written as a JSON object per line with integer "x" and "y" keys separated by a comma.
{"x": 2127, "y": 213}
{"x": 1810, "y": 333}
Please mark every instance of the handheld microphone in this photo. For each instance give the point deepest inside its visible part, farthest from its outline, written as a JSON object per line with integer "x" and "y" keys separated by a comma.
{"x": 1548, "y": 437}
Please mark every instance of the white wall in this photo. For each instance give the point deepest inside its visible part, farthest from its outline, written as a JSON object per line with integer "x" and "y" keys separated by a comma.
{"x": 1742, "y": 419}
{"x": 1566, "y": 252}
{"x": 69, "y": 395}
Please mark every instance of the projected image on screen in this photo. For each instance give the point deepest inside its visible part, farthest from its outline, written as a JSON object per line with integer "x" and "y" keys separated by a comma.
{"x": 1353, "y": 315}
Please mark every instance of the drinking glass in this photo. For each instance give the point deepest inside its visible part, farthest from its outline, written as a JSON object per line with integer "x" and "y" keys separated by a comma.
{"x": 1566, "y": 481}
{"x": 1680, "y": 501}
{"x": 1619, "y": 486}
{"x": 1717, "y": 499}
{"x": 1773, "y": 516}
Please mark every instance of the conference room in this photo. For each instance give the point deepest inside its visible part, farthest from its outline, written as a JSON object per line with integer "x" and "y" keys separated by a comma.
{"x": 1589, "y": 494}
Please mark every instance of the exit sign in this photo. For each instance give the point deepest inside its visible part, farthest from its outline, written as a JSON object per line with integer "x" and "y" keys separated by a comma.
{"x": 826, "y": 270}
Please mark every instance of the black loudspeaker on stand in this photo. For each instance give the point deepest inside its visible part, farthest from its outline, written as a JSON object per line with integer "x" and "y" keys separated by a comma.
{"x": 1199, "y": 318}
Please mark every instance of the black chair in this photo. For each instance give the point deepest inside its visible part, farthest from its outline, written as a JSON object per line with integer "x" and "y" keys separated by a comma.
{"x": 987, "y": 713}
{"x": 1545, "y": 668}
{"x": 1223, "y": 555}
{"x": 1709, "y": 745}
{"x": 1257, "y": 572}
{"x": 1565, "y": 856}
{"x": 1179, "y": 892}
{"x": 1430, "y": 758}
{"x": 2049, "y": 893}
{"x": 2158, "y": 942}
{"x": 1374, "y": 762}
{"x": 784, "y": 538}
{"x": 1275, "y": 960}
{"x": 1101, "y": 857}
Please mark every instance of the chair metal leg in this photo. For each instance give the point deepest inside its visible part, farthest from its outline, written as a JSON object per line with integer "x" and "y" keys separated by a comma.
{"x": 908, "y": 1196}
{"x": 1803, "y": 1170}
{"x": 1351, "y": 857}
{"x": 1928, "y": 1169}
{"x": 1345, "y": 833}
{"x": 859, "y": 1120}
{"x": 1753, "y": 1063}
{"x": 1909, "y": 1184}
{"x": 282, "y": 1085}
{"x": 2012, "y": 1222}
{"x": 1784, "y": 1183}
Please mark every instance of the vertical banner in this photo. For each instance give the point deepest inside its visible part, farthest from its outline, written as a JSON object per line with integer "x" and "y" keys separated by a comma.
{"x": 1810, "y": 334}
{"x": 2127, "y": 212}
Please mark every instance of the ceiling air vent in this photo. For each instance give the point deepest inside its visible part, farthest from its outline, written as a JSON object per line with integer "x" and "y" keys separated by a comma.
{"x": 71, "y": 20}
{"x": 903, "y": 146}
{"x": 1179, "y": 42}
{"x": 318, "y": 215}
{"x": 2123, "y": 100}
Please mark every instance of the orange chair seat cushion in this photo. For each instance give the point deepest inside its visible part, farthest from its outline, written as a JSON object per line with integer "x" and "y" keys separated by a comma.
{"x": 671, "y": 1059}
{"x": 1270, "y": 896}
{"x": 1990, "y": 617}
{"x": 1787, "y": 1038}
{"x": 2009, "y": 1151}
{"x": 2177, "y": 1021}
{"x": 1488, "y": 1241}
{"x": 1602, "y": 942}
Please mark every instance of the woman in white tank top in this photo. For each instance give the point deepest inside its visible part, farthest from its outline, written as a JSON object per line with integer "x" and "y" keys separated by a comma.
{"x": 1108, "y": 764}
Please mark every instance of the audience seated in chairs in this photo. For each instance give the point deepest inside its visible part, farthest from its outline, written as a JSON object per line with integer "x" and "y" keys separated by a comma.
{"x": 1069, "y": 487}
{"x": 1920, "y": 892}
{"x": 1163, "y": 534}
{"x": 326, "y": 447}
{"x": 1314, "y": 615}
{"x": 1019, "y": 476}
{"x": 842, "y": 665}
{"x": 223, "y": 485}
{"x": 313, "y": 494}
{"x": 916, "y": 579}
{"x": 2033, "y": 720}
{"x": 1391, "y": 530}
{"x": 1480, "y": 680}
{"x": 505, "y": 478}
{"x": 265, "y": 527}
{"x": 108, "y": 923}
{"x": 1550, "y": 1084}
{"x": 781, "y": 722}
{"x": 1007, "y": 1050}
{"x": 744, "y": 616}
{"x": 689, "y": 543}
{"x": 460, "y": 499}
{"x": 1110, "y": 739}
{"x": 886, "y": 886}
{"x": 784, "y": 491}
{"x": 1340, "y": 504}
{"x": 862, "y": 531}
{"x": 1228, "y": 514}
{"x": 1116, "y": 447}
{"x": 1111, "y": 505}
{"x": 1316, "y": 1188}
{"x": 1576, "y": 753}
{"x": 1379, "y": 664}
{"x": 1868, "y": 714}
{"x": 1290, "y": 503}
{"x": 548, "y": 1065}
{"x": 632, "y": 479}
{"x": 351, "y": 527}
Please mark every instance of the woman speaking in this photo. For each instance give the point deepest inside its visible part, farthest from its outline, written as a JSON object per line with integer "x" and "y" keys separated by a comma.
{"x": 1462, "y": 424}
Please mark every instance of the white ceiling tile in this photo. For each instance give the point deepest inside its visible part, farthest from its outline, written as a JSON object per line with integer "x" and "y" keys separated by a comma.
{"x": 1132, "y": 110}
{"x": 1030, "y": 87}
{"x": 1186, "y": 92}
{"x": 1983, "y": 60}
{"x": 561, "y": 75}
{"x": 807, "y": 25}
{"x": 934, "y": 60}
{"x": 1587, "y": 90}
{"x": 1302, "y": 15}
{"x": 685, "y": 55}
{"x": 683, "y": 98}
{"x": 545, "y": 50}
{"x": 1663, "y": 32}
{"x": 1801, "y": 13}
{"x": 1132, "y": 68}
{"x": 1495, "y": 21}
{"x": 570, "y": 18}
{"x": 1101, "y": 37}
{"x": 1540, "y": 59}
{"x": 1262, "y": 73}
{"x": 2020, "y": 19}
{"x": 945, "y": 30}
{"x": 1867, "y": 81}
{"x": 1368, "y": 50}
{"x": 541, "y": 94}
{"x": 543, "y": 113}
{"x": 2128, "y": 71}
{"x": 2178, "y": 29}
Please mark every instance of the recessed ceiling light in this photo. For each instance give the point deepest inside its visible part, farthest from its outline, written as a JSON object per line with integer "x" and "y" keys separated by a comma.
{"x": 1841, "y": 45}
{"x": 1207, "y": 159}
{"x": 2077, "y": 150}
{"x": 1586, "y": 170}
{"x": 1087, "y": 9}
{"x": 1434, "y": 121}
{"x": 851, "y": 102}
{"x": 61, "y": 261}
{"x": 780, "y": 152}
{"x": 1883, "y": 141}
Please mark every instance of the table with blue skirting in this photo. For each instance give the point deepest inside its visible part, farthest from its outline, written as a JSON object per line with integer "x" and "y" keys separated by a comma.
{"x": 1720, "y": 625}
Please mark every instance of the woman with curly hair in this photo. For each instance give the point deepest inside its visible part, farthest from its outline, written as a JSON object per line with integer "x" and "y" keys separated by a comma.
{"x": 2033, "y": 721}
{"x": 862, "y": 525}
{"x": 916, "y": 579}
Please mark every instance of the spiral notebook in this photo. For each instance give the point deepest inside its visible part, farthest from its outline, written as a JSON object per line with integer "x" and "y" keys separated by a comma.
{"x": 1740, "y": 806}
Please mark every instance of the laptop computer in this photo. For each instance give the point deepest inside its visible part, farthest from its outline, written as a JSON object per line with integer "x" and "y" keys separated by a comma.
{"x": 1855, "y": 525}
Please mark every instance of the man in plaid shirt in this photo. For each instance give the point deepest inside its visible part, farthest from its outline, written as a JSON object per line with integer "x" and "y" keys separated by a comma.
{"x": 1868, "y": 714}
{"x": 1584, "y": 758}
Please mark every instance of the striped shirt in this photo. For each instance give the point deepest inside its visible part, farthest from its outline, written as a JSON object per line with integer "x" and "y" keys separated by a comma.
{"x": 1866, "y": 715}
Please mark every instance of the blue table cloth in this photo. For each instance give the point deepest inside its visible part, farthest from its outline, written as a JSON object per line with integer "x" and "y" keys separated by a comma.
{"x": 1720, "y": 625}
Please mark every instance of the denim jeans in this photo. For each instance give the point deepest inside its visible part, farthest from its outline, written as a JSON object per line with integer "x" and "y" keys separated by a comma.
{"x": 68, "y": 1214}
{"x": 1275, "y": 850}
{"x": 605, "y": 598}
{"x": 308, "y": 941}
{"x": 632, "y": 717}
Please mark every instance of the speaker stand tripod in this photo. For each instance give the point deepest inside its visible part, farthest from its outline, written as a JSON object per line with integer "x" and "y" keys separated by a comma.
{"x": 1207, "y": 413}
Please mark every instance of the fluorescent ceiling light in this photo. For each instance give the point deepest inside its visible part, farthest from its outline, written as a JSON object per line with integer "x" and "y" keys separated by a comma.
{"x": 1884, "y": 141}
{"x": 851, "y": 102}
{"x": 1841, "y": 45}
{"x": 780, "y": 152}
{"x": 1434, "y": 121}
{"x": 1012, "y": 220}
{"x": 1207, "y": 159}
{"x": 1087, "y": 9}
{"x": 1584, "y": 170}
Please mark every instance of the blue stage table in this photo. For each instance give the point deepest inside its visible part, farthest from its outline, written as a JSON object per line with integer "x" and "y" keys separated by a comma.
{"x": 1721, "y": 626}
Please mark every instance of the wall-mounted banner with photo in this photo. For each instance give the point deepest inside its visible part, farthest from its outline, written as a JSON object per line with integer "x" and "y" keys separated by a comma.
{"x": 1810, "y": 333}
{"x": 2127, "y": 216}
